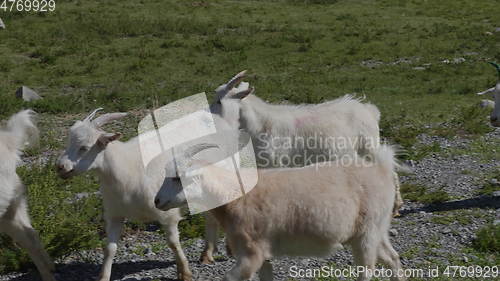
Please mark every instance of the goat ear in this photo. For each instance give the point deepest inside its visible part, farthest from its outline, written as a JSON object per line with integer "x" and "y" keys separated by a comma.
{"x": 106, "y": 138}
{"x": 243, "y": 94}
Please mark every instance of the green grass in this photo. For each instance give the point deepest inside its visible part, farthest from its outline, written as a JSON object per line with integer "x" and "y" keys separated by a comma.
{"x": 131, "y": 55}
{"x": 467, "y": 121}
{"x": 421, "y": 151}
{"x": 488, "y": 239}
{"x": 192, "y": 226}
{"x": 488, "y": 188}
{"x": 64, "y": 226}
{"x": 122, "y": 56}
{"x": 420, "y": 193}
{"x": 486, "y": 149}
{"x": 446, "y": 220}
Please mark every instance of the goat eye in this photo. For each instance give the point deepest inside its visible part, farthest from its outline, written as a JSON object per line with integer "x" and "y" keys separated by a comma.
{"x": 84, "y": 149}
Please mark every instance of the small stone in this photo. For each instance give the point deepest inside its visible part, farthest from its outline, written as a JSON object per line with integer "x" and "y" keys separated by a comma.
{"x": 458, "y": 60}
{"x": 497, "y": 29}
{"x": 446, "y": 231}
{"x": 371, "y": 63}
{"x": 419, "y": 68}
{"x": 496, "y": 193}
{"x": 82, "y": 195}
{"x": 496, "y": 222}
{"x": 27, "y": 94}
{"x": 465, "y": 259}
{"x": 2, "y": 25}
{"x": 411, "y": 163}
{"x": 393, "y": 232}
{"x": 494, "y": 182}
{"x": 488, "y": 33}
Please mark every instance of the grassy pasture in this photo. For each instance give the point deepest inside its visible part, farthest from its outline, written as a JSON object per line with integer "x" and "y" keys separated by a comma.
{"x": 419, "y": 61}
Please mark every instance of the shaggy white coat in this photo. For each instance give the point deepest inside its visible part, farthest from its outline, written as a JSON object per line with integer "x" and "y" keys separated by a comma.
{"x": 122, "y": 176}
{"x": 351, "y": 124}
{"x": 341, "y": 205}
{"x": 14, "y": 217}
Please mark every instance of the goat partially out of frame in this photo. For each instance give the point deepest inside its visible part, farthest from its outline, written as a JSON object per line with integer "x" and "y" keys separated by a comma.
{"x": 495, "y": 114}
{"x": 14, "y": 218}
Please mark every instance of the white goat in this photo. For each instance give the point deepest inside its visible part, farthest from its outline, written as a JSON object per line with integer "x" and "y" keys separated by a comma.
{"x": 284, "y": 132}
{"x": 305, "y": 211}
{"x": 300, "y": 134}
{"x": 14, "y": 218}
{"x": 120, "y": 169}
{"x": 292, "y": 130}
{"x": 495, "y": 114}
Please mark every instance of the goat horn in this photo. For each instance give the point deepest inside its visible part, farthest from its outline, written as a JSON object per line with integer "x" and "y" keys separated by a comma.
{"x": 92, "y": 115}
{"x": 496, "y": 66}
{"x": 235, "y": 80}
{"x": 106, "y": 118}
{"x": 189, "y": 153}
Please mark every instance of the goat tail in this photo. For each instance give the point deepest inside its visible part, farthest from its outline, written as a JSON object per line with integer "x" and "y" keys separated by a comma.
{"x": 385, "y": 155}
{"x": 22, "y": 127}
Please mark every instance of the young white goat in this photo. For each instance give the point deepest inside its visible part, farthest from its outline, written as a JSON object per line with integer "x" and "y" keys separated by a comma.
{"x": 14, "y": 218}
{"x": 305, "y": 211}
{"x": 495, "y": 114}
{"x": 120, "y": 169}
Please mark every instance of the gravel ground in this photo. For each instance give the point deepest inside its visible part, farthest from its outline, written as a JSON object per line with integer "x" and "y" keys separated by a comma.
{"x": 424, "y": 235}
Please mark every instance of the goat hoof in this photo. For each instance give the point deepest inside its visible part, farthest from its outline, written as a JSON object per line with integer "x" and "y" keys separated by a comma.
{"x": 185, "y": 276}
{"x": 207, "y": 260}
